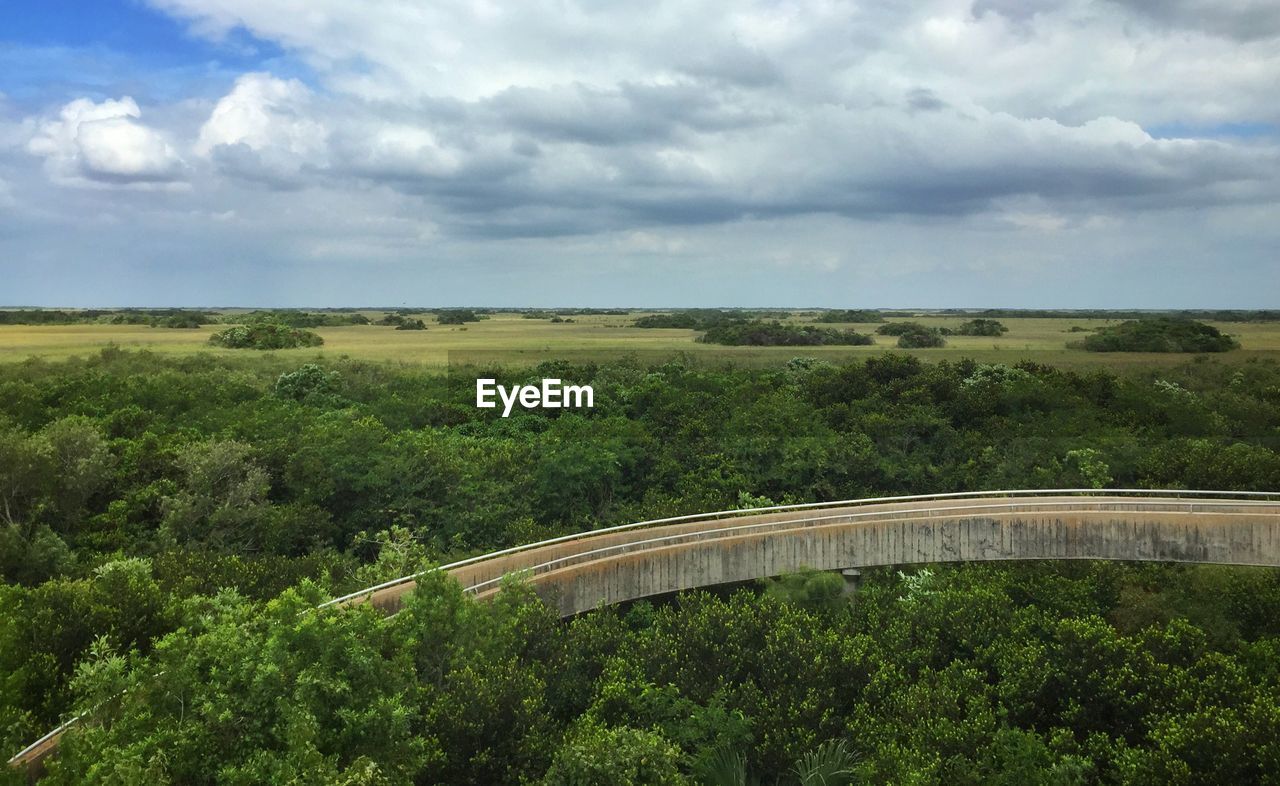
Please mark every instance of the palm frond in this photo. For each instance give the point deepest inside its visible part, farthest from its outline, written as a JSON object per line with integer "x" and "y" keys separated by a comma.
{"x": 832, "y": 764}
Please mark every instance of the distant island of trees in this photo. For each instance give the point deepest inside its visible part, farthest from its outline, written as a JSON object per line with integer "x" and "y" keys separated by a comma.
{"x": 265, "y": 335}
{"x": 758, "y": 333}
{"x": 1160, "y": 335}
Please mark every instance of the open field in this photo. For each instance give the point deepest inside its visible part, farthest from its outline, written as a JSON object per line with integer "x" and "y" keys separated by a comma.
{"x": 510, "y": 339}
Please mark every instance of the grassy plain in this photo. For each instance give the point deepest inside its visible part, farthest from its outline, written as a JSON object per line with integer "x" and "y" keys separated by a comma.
{"x": 508, "y": 338}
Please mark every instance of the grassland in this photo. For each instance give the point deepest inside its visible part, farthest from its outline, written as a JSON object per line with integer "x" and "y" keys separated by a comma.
{"x": 510, "y": 339}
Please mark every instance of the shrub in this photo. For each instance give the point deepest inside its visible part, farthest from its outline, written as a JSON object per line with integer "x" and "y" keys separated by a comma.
{"x": 265, "y": 336}
{"x": 617, "y": 756}
{"x": 689, "y": 319}
{"x": 1160, "y": 335}
{"x": 758, "y": 333}
{"x": 411, "y": 324}
{"x": 981, "y": 327}
{"x": 183, "y": 321}
{"x": 456, "y": 316}
{"x": 899, "y": 328}
{"x": 925, "y": 338}
{"x": 302, "y": 319}
{"x": 309, "y": 381}
{"x": 850, "y": 315}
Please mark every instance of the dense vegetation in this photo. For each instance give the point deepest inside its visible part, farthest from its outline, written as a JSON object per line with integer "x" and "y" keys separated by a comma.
{"x": 165, "y": 504}
{"x": 458, "y": 316}
{"x": 899, "y": 328}
{"x": 913, "y": 335}
{"x": 980, "y": 327}
{"x": 411, "y": 324}
{"x": 704, "y": 318}
{"x": 397, "y": 318}
{"x": 299, "y": 319}
{"x": 179, "y": 321}
{"x": 689, "y": 319}
{"x": 1215, "y": 315}
{"x": 265, "y": 335}
{"x": 850, "y": 315}
{"x": 758, "y": 333}
{"x": 921, "y": 338}
{"x": 1160, "y": 335}
{"x": 1060, "y": 674}
{"x": 158, "y": 317}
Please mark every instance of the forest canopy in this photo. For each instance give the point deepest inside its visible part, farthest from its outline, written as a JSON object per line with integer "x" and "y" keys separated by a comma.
{"x": 172, "y": 515}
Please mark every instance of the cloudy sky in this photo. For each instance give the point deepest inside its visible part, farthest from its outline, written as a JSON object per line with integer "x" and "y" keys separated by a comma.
{"x": 1038, "y": 153}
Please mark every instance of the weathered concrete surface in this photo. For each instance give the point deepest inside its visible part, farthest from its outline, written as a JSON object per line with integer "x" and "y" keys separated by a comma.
{"x": 1238, "y": 536}
{"x": 595, "y": 569}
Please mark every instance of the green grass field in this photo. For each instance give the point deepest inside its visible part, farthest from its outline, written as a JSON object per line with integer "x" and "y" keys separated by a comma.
{"x": 510, "y": 339}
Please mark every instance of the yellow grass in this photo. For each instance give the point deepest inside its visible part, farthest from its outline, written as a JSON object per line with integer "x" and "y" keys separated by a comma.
{"x": 509, "y": 338}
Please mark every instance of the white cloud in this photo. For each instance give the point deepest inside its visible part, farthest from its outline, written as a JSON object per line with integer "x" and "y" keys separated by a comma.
{"x": 563, "y": 116}
{"x": 1067, "y": 59}
{"x": 265, "y": 129}
{"x": 263, "y": 112}
{"x": 105, "y": 144}
{"x": 668, "y": 129}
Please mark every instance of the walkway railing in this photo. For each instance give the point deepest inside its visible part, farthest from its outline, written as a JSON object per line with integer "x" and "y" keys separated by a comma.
{"x": 358, "y": 595}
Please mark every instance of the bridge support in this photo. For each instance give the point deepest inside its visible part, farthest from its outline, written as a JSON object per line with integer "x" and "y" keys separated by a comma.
{"x": 852, "y": 580}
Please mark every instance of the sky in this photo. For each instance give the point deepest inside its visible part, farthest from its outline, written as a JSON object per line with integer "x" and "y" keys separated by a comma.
{"x": 834, "y": 153}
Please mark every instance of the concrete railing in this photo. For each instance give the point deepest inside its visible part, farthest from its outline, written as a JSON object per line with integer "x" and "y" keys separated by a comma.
{"x": 576, "y": 573}
{"x": 545, "y": 563}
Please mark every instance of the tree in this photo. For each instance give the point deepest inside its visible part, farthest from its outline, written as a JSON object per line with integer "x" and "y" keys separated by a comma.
{"x": 768, "y": 334}
{"x": 850, "y": 315}
{"x": 26, "y": 473}
{"x": 1089, "y": 467}
{"x": 921, "y": 339}
{"x": 619, "y": 756}
{"x": 899, "y": 328}
{"x": 265, "y": 335}
{"x": 456, "y": 316}
{"x": 981, "y": 327}
{"x": 223, "y": 497}
{"x": 1162, "y": 334}
{"x": 310, "y": 383}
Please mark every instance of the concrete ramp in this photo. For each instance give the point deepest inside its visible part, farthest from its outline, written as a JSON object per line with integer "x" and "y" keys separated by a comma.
{"x": 587, "y": 570}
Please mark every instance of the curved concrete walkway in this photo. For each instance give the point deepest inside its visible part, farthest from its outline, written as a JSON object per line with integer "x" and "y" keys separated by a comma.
{"x": 580, "y": 572}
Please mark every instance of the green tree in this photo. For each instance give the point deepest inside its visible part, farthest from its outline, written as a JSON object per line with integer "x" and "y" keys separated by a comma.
{"x": 595, "y": 756}
{"x": 222, "y": 498}
{"x": 80, "y": 462}
{"x": 310, "y": 384}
